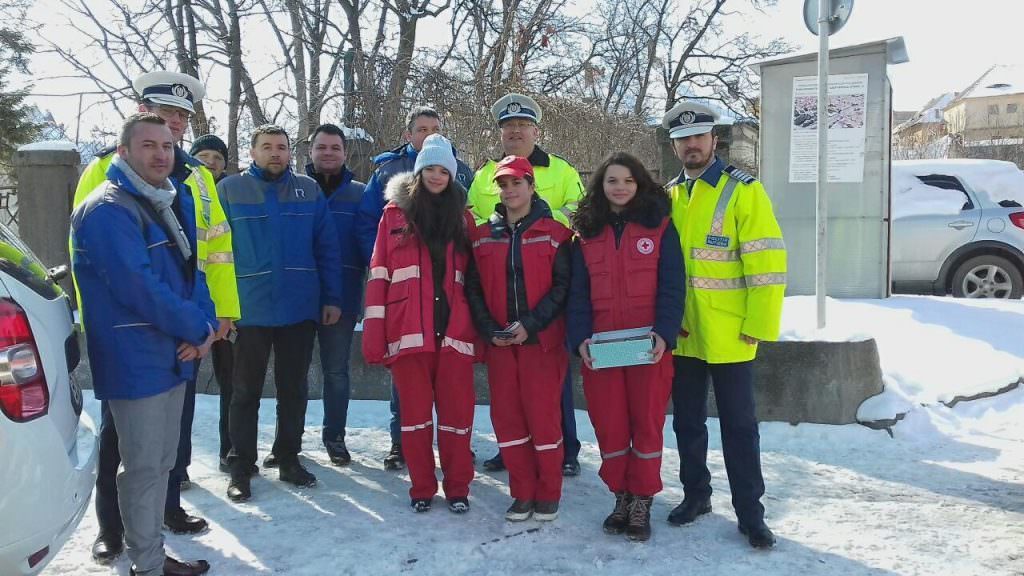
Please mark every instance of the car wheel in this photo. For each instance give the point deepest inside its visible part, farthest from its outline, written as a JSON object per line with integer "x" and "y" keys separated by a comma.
{"x": 987, "y": 276}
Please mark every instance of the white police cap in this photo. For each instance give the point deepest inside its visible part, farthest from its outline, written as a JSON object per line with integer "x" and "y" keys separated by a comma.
{"x": 169, "y": 89}
{"x": 514, "y": 105}
{"x": 688, "y": 119}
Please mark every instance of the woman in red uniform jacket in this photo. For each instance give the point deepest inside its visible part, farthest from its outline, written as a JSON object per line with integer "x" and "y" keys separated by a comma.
{"x": 628, "y": 272}
{"x": 417, "y": 321}
{"x": 517, "y": 294}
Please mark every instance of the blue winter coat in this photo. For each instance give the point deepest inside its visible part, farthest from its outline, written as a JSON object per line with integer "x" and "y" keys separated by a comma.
{"x": 397, "y": 161}
{"x": 286, "y": 249}
{"x": 342, "y": 203}
{"x": 141, "y": 296}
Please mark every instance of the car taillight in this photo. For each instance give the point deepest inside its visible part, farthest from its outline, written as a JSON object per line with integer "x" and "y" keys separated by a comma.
{"x": 24, "y": 395}
{"x": 1018, "y": 219}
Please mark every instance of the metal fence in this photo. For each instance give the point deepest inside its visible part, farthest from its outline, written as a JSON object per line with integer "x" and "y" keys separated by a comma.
{"x": 9, "y": 207}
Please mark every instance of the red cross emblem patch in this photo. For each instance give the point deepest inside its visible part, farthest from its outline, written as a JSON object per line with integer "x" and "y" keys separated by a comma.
{"x": 645, "y": 246}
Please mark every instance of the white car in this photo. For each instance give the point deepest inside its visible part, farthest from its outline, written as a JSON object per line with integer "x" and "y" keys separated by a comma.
{"x": 48, "y": 447}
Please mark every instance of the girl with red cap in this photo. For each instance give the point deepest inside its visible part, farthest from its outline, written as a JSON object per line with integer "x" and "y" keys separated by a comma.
{"x": 417, "y": 321}
{"x": 627, "y": 272}
{"x": 517, "y": 294}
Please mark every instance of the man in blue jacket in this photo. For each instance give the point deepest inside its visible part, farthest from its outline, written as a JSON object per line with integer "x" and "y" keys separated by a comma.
{"x": 289, "y": 278}
{"x": 150, "y": 318}
{"x": 343, "y": 193}
{"x": 420, "y": 122}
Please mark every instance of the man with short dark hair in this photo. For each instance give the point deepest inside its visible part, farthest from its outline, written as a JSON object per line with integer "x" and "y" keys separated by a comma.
{"x": 420, "y": 122}
{"x": 343, "y": 192}
{"x": 171, "y": 96}
{"x": 289, "y": 279}
{"x": 150, "y": 317}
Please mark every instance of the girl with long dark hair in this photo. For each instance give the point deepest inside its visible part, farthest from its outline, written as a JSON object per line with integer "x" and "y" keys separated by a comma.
{"x": 627, "y": 273}
{"x": 417, "y": 321}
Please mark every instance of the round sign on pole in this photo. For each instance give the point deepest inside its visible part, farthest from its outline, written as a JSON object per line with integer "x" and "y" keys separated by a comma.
{"x": 839, "y": 13}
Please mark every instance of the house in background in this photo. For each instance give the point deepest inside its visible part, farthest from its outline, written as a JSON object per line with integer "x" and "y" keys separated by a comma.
{"x": 987, "y": 119}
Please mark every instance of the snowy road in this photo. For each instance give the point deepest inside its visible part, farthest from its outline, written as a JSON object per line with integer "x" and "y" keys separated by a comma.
{"x": 945, "y": 496}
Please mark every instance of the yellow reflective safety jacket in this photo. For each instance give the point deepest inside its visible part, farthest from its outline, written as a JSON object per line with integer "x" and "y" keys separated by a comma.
{"x": 556, "y": 182}
{"x": 735, "y": 264}
{"x": 214, "y": 255}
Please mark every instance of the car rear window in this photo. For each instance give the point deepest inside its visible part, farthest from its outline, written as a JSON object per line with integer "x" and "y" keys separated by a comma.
{"x": 17, "y": 261}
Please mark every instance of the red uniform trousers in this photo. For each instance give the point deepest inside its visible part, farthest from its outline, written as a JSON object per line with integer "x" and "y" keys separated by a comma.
{"x": 627, "y": 408}
{"x": 445, "y": 379}
{"x": 526, "y": 411}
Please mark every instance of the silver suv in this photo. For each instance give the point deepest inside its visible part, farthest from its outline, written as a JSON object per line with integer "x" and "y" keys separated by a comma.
{"x": 975, "y": 253}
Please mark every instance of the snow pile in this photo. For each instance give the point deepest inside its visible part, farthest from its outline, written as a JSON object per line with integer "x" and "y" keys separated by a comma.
{"x": 995, "y": 180}
{"x": 931, "y": 349}
{"x": 911, "y": 197}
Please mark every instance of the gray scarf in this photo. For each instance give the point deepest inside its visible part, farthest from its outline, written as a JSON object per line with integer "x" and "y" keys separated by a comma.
{"x": 161, "y": 199}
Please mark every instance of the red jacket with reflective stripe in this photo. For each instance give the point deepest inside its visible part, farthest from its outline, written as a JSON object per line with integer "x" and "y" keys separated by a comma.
{"x": 538, "y": 245}
{"x": 399, "y": 317}
{"x": 623, "y": 279}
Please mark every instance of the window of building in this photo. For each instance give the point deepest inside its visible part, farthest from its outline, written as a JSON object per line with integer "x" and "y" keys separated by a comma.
{"x": 1011, "y": 108}
{"x": 993, "y": 109}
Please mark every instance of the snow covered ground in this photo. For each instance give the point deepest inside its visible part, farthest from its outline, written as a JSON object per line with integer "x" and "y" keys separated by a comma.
{"x": 943, "y": 495}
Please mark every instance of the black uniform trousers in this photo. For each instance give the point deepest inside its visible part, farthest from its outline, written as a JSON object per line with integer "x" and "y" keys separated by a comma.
{"x": 293, "y": 350}
{"x": 734, "y": 395}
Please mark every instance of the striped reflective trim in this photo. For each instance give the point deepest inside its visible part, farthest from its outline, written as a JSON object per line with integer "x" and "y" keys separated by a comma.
{"x": 160, "y": 243}
{"x": 717, "y": 283}
{"x": 482, "y": 241}
{"x": 616, "y": 454}
{"x": 542, "y": 447}
{"x": 373, "y": 312}
{"x": 714, "y": 255}
{"x": 204, "y": 193}
{"x": 723, "y": 203}
{"x": 379, "y": 273}
{"x": 132, "y": 325}
{"x": 402, "y": 274}
{"x": 201, "y": 264}
{"x": 416, "y": 427}
{"x": 218, "y": 230}
{"x": 646, "y": 455}
{"x": 406, "y": 341}
{"x": 459, "y": 346}
{"x": 516, "y": 442}
{"x": 220, "y": 258}
{"x": 200, "y": 234}
{"x": 453, "y": 430}
{"x": 762, "y": 244}
{"x": 770, "y": 279}
{"x": 568, "y": 209}
{"x": 460, "y": 277}
{"x": 544, "y": 238}
{"x": 253, "y": 274}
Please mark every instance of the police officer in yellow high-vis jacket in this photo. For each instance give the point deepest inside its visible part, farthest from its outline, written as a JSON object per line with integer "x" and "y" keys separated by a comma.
{"x": 170, "y": 95}
{"x": 557, "y": 183}
{"x": 736, "y": 275}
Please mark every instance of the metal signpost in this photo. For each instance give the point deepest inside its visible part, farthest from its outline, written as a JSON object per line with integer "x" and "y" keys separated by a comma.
{"x": 823, "y": 18}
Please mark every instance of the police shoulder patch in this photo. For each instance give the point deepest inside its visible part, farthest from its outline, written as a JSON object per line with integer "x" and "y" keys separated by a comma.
{"x": 740, "y": 175}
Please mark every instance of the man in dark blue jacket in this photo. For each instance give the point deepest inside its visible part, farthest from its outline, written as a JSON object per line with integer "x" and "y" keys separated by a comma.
{"x": 343, "y": 192}
{"x": 420, "y": 122}
{"x": 150, "y": 317}
{"x": 289, "y": 278}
